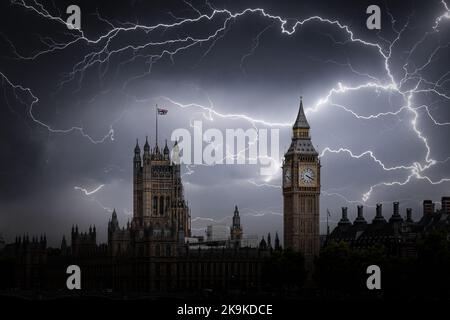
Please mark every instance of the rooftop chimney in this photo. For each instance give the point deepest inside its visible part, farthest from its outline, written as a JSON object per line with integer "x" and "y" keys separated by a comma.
{"x": 396, "y": 217}
{"x": 360, "y": 218}
{"x": 344, "y": 220}
{"x": 379, "y": 215}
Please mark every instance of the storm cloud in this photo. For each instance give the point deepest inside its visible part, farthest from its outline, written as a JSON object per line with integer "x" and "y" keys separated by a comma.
{"x": 72, "y": 105}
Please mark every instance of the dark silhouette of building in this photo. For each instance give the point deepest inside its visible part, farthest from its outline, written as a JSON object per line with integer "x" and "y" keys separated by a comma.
{"x": 398, "y": 235}
{"x": 277, "y": 242}
{"x": 83, "y": 243}
{"x": 152, "y": 253}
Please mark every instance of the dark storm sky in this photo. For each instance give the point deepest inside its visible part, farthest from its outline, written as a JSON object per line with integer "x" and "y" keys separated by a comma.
{"x": 72, "y": 105}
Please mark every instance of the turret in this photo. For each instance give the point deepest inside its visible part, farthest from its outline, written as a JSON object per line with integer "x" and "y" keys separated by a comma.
{"x": 166, "y": 152}
{"x": 137, "y": 155}
{"x": 146, "y": 149}
{"x": 114, "y": 224}
{"x": 277, "y": 242}
{"x": 137, "y": 149}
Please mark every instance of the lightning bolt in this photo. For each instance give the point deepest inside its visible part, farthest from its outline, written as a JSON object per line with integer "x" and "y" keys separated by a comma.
{"x": 269, "y": 185}
{"x": 18, "y": 88}
{"x": 103, "y": 47}
{"x": 88, "y": 193}
{"x": 254, "y": 46}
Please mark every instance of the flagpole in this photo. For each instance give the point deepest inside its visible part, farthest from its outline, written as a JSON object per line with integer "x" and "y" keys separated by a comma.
{"x": 328, "y": 227}
{"x": 156, "y": 116}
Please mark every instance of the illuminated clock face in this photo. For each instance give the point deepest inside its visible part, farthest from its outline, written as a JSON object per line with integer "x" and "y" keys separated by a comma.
{"x": 287, "y": 177}
{"x": 307, "y": 176}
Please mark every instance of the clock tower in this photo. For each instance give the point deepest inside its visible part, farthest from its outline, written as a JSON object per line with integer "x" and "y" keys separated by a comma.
{"x": 301, "y": 191}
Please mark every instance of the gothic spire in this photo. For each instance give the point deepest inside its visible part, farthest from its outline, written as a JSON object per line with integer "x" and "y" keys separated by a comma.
{"x": 137, "y": 149}
{"x": 301, "y": 121}
{"x": 277, "y": 242}
{"x": 236, "y": 218}
{"x": 166, "y": 148}
{"x": 114, "y": 222}
{"x": 146, "y": 146}
{"x": 63, "y": 243}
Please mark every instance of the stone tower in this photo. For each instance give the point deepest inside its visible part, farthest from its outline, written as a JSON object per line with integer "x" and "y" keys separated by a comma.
{"x": 158, "y": 199}
{"x": 236, "y": 229}
{"x": 301, "y": 191}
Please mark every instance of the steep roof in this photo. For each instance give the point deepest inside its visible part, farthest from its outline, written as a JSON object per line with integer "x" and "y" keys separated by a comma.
{"x": 301, "y": 121}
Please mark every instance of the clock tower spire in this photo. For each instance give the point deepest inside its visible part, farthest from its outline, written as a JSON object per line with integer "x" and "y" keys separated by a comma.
{"x": 301, "y": 125}
{"x": 301, "y": 191}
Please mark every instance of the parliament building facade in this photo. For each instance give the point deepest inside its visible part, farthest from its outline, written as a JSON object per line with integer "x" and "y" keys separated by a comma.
{"x": 155, "y": 252}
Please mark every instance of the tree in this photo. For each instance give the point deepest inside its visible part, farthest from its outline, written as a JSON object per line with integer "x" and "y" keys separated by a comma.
{"x": 341, "y": 270}
{"x": 433, "y": 265}
{"x": 284, "y": 270}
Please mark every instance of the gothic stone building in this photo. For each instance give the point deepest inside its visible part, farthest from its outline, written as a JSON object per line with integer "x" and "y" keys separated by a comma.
{"x": 161, "y": 217}
{"x": 150, "y": 253}
{"x": 301, "y": 191}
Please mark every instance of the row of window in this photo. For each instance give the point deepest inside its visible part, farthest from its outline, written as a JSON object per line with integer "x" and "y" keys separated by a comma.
{"x": 160, "y": 205}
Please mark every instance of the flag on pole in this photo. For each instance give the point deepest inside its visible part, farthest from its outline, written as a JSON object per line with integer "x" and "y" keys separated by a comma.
{"x": 159, "y": 112}
{"x": 162, "y": 112}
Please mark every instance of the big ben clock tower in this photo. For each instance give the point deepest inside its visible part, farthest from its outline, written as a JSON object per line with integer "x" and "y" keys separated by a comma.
{"x": 301, "y": 191}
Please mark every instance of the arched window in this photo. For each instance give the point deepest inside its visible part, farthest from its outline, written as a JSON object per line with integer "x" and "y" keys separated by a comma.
{"x": 155, "y": 205}
{"x": 167, "y": 203}
{"x": 161, "y": 205}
